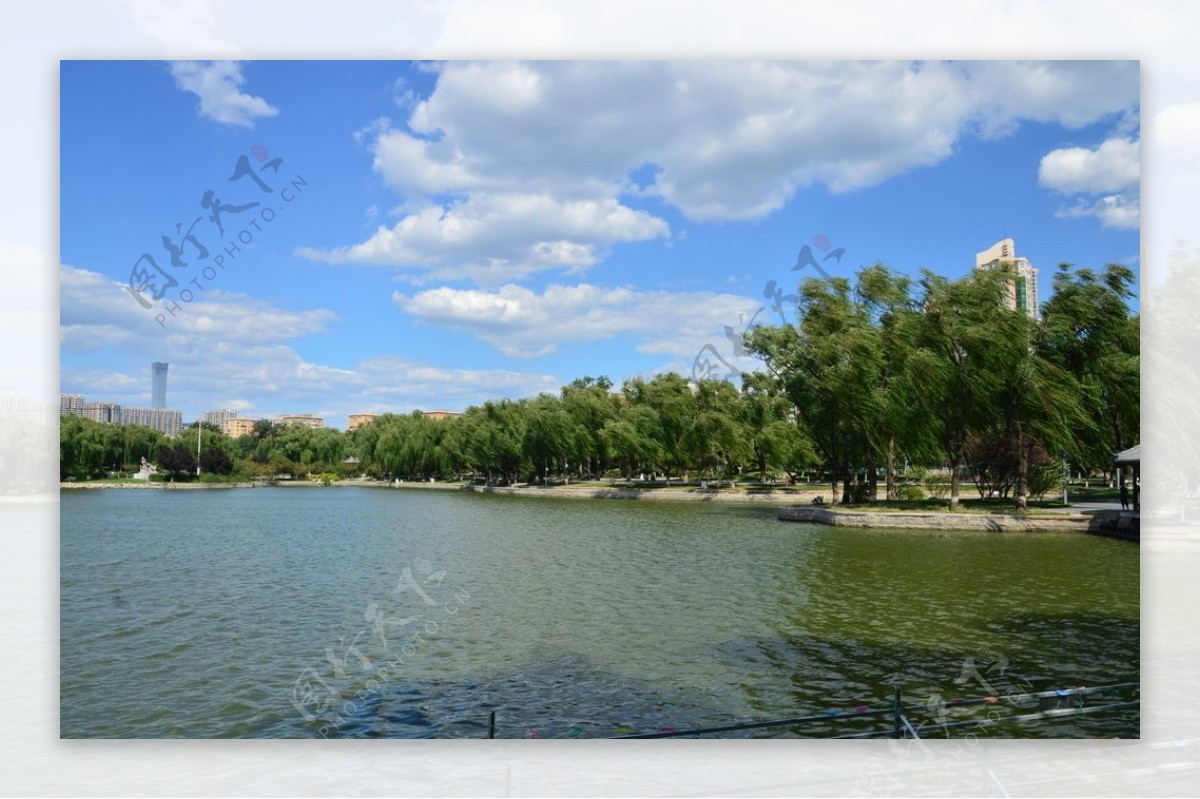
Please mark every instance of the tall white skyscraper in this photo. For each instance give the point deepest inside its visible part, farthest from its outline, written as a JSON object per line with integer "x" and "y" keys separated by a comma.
{"x": 158, "y": 393}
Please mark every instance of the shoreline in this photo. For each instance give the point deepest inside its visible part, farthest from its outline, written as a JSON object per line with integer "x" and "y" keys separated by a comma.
{"x": 674, "y": 494}
{"x": 792, "y": 505}
{"x": 1111, "y": 523}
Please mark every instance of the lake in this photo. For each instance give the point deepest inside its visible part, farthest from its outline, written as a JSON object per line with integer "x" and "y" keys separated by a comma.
{"x": 373, "y": 612}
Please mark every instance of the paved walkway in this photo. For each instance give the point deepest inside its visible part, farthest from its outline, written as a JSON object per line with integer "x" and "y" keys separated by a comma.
{"x": 1088, "y": 507}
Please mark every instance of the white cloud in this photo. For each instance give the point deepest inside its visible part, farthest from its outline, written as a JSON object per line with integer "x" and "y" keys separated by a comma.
{"x": 495, "y": 237}
{"x": 521, "y": 323}
{"x": 1115, "y": 210}
{"x": 233, "y": 351}
{"x": 717, "y": 140}
{"x": 1112, "y": 167}
{"x": 96, "y": 311}
{"x": 217, "y": 84}
{"x": 1111, "y": 170}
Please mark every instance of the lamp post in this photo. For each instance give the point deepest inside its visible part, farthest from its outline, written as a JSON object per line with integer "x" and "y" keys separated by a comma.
{"x": 199, "y": 433}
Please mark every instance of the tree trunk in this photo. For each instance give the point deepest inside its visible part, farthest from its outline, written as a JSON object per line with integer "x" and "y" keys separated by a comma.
{"x": 954, "y": 487}
{"x": 872, "y": 477}
{"x": 891, "y": 469}
{"x": 846, "y": 498}
{"x": 1022, "y": 490}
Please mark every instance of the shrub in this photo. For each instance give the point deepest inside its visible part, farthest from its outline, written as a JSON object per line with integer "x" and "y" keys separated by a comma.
{"x": 910, "y": 493}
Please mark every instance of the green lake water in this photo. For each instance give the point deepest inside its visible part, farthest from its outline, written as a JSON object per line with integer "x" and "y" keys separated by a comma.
{"x": 347, "y": 612}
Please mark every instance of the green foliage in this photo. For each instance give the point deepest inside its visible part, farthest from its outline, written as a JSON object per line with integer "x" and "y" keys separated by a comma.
{"x": 216, "y": 461}
{"x": 876, "y": 372}
{"x": 177, "y": 461}
{"x": 1044, "y": 477}
{"x": 89, "y": 449}
{"x": 943, "y": 373}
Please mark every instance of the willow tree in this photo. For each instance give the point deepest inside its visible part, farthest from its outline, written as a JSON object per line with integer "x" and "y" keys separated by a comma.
{"x": 775, "y": 439}
{"x": 591, "y": 405}
{"x": 888, "y": 299}
{"x": 954, "y": 361}
{"x": 550, "y": 433}
{"x": 830, "y": 365}
{"x": 670, "y": 397}
{"x": 1088, "y": 330}
{"x": 1037, "y": 402}
{"x": 717, "y": 438}
{"x": 631, "y": 439}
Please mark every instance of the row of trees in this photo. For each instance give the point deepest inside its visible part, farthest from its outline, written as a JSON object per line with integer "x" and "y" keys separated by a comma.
{"x": 943, "y": 372}
{"x": 664, "y": 425}
{"x": 875, "y": 372}
{"x": 660, "y": 426}
{"x": 88, "y": 449}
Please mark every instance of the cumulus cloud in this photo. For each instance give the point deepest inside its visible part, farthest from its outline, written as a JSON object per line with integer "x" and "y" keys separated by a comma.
{"x": 96, "y": 311}
{"x": 492, "y": 237}
{"x": 1113, "y": 166}
{"x": 1111, "y": 170}
{"x": 230, "y": 350}
{"x": 716, "y": 141}
{"x": 522, "y": 323}
{"x": 1115, "y": 211}
{"x": 218, "y": 85}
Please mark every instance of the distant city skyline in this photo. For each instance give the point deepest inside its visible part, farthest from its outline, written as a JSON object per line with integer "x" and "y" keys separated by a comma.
{"x": 335, "y": 238}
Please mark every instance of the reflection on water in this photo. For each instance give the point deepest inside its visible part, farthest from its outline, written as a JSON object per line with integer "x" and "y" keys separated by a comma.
{"x": 368, "y": 612}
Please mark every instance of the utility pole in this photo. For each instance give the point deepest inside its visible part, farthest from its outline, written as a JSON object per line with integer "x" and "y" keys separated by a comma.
{"x": 199, "y": 433}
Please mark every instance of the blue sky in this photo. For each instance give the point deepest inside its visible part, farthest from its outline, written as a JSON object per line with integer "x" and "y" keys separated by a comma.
{"x": 461, "y": 231}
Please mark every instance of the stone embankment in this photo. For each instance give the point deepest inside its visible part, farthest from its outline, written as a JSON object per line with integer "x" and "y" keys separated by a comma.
{"x": 1111, "y": 523}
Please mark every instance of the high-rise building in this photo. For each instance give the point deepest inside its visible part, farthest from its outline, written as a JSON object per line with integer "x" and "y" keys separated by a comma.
{"x": 169, "y": 422}
{"x": 166, "y": 421}
{"x": 218, "y": 418}
{"x": 103, "y": 412}
{"x": 158, "y": 393}
{"x": 1022, "y": 293}
{"x": 70, "y": 404}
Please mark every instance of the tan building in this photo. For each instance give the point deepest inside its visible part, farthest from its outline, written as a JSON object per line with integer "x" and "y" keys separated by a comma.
{"x": 218, "y": 418}
{"x": 439, "y": 416}
{"x": 302, "y": 418}
{"x": 103, "y": 412}
{"x": 1023, "y": 293}
{"x": 235, "y": 427}
{"x": 359, "y": 419}
{"x": 163, "y": 419}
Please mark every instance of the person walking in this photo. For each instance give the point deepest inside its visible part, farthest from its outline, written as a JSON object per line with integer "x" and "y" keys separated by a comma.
{"x": 1124, "y": 495}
